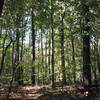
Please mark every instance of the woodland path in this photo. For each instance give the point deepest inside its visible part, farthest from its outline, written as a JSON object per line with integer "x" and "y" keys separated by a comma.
{"x": 43, "y": 93}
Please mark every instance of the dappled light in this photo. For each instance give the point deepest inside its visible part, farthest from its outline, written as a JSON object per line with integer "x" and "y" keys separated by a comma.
{"x": 49, "y": 50}
{"x": 45, "y": 93}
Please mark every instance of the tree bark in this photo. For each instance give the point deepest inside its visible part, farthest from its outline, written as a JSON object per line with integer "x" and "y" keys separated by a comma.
{"x": 33, "y": 49}
{"x": 73, "y": 57}
{"x": 49, "y": 57}
{"x": 86, "y": 61}
{"x": 86, "y": 50}
{"x": 46, "y": 66}
{"x": 4, "y": 53}
{"x": 38, "y": 69}
{"x": 52, "y": 32}
{"x": 62, "y": 51}
{"x": 98, "y": 54}
{"x": 42, "y": 57}
{"x": 17, "y": 73}
{"x": 21, "y": 60}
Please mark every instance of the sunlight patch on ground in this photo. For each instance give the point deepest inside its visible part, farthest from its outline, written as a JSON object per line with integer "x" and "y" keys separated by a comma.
{"x": 2, "y": 89}
{"x": 35, "y": 96}
{"x": 28, "y": 88}
{"x": 14, "y": 95}
{"x": 31, "y": 88}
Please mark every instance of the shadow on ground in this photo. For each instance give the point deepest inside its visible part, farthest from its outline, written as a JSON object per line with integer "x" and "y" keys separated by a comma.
{"x": 42, "y": 93}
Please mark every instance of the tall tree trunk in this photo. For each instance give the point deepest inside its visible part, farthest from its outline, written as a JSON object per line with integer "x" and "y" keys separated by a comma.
{"x": 52, "y": 32}
{"x": 46, "y": 60}
{"x": 21, "y": 60}
{"x": 17, "y": 76}
{"x": 96, "y": 65}
{"x": 86, "y": 61}
{"x": 42, "y": 57}
{"x": 62, "y": 51}
{"x": 86, "y": 50}
{"x": 4, "y": 54}
{"x": 73, "y": 57}
{"x": 13, "y": 58}
{"x": 33, "y": 49}
{"x": 22, "y": 43}
{"x": 98, "y": 54}
{"x": 38, "y": 69}
{"x": 49, "y": 57}
{"x": 13, "y": 73}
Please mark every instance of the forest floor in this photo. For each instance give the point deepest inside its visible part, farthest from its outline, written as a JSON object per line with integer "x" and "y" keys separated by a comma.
{"x": 44, "y": 93}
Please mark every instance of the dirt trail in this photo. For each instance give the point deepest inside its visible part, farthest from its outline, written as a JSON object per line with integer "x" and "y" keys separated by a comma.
{"x": 42, "y": 93}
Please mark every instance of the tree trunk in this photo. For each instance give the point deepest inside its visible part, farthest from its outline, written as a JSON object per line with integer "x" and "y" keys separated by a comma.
{"x": 22, "y": 43}
{"x": 4, "y": 54}
{"x": 49, "y": 57}
{"x": 62, "y": 51}
{"x": 21, "y": 60}
{"x": 42, "y": 58}
{"x": 17, "y": 74}
{"x": 98, "y": 54}
{"x": 86, "y": 61}
{"x": 95, "y": 62}
{"x": 73, "y": 57}
{"x": 33, "y": 49}
{"x": 38, "y": 69}
{"x": 13, "y": 59}
{"x": 52, "y": 32}
{"x": 86, "y": 50}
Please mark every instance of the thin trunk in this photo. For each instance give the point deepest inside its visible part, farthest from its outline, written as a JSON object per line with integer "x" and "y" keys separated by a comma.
{"x": 4, "y": 54}
{"x": 73, "y": 57}
{"x": 86, "y": 50}
{"x": 22, "y": 43}
{"x": 13, "y": 73}
{"x": 21, "y": 60}
{"x": 42, "y": 58}
{"x": 49, "y": 57}
{"x": 13, "y": 47}
{"x": 46, "y": 67}
{"x": 96, "y": 63}
{"x": 98, "y": 55}
{"x": 39, "y": 63}
{"x": 86, "y": 61}
{"x": 13, "y": 58}
{"x": 52, "y": 32}
{"x": 0, "y": 36}
{"x": 33, "y": 49}
{"x": 17, "y": 76}
{"x": 62, "y": 51}
{"x": 17, "y": 47}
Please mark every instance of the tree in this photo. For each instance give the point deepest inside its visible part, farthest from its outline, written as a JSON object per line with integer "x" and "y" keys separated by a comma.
{"x": 33, "y": 48}
{"x": 17, "y": 60}
{"x": 73, "y": 57}
{"x": 42, "y": 57}
{"x": 4, "y": 54}
{"x": 86, "y": 50}
{"x": 62, "y": 50}
{"x": 49, "y": 56}
{"x": 52, "y": 32}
